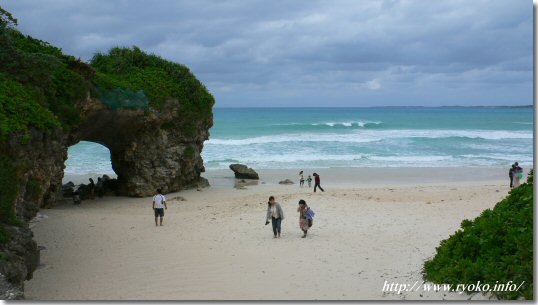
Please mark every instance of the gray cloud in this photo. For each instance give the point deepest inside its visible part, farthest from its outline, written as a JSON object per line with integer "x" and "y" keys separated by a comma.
{"x": 312, "y": 53}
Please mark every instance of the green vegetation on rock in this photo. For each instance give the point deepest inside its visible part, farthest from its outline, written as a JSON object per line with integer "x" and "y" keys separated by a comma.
{"x": 494, "y": 248}
{"x": 38, "y": 84}
{"x": 159, "y": 79}
{"x": 20, "y": 108}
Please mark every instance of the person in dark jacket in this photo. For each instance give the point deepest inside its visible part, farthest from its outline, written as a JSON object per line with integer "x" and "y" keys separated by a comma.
{"x": 511, "y": 175}
{"x": 317, "y": 183}
{"x": 100, "y": 187}
{"x": 91, "y": 187}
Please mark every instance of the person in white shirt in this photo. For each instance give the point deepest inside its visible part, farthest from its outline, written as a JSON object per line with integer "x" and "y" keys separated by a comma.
{"x": 276, "y": 214}
{"x": 159, "y": 205}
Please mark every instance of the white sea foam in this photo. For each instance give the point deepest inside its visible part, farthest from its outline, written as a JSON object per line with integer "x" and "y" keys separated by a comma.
{"x": 333, "y": 124}
{"x": 365, "y": 160}
{"x": 375, "y": 135}
{"x": 411, "y": 159}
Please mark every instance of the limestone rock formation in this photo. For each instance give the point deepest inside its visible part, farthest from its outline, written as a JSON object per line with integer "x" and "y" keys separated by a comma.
{"x": 144, "y": 155}
{"x": 243, "y": 172}
{"x": 152, "y": 114}
{"x": 22, "y": 254}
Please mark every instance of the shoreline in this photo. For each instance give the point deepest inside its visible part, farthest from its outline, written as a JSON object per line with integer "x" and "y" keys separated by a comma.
{"x": 337, "y": 177}
{"x": 352, "y": 176}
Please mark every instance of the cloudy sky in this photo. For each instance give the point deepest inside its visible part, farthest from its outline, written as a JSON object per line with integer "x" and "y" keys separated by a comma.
{"x": 313, "y": 53}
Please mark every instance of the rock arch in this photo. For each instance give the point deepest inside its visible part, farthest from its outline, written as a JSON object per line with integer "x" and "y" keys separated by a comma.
{"x": 144, "y": 154}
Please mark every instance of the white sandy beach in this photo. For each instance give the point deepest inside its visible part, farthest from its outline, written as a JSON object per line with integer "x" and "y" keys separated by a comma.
{"x": 372, "y": 225}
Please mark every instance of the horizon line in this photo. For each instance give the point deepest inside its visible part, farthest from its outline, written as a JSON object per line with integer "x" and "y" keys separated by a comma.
{"x": 400, "y": 106}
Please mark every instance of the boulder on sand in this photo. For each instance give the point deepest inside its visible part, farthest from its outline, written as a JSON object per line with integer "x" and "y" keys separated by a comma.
{"x": 243, "y": 172}
{"x": 287, "y": 181}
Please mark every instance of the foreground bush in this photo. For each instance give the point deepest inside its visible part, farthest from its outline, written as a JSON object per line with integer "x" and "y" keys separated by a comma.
{"x": 496, "y": 247}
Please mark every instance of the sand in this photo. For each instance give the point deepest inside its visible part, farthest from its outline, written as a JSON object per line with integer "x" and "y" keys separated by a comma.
{"x": 372, "y": 226}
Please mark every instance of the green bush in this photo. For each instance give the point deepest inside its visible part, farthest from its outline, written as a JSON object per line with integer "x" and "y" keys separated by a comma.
{"x": 159, "y": 79}
{"x": 495, "y": 247}
{"x": 20, "y": 108}
{"x": 39, "y": 85}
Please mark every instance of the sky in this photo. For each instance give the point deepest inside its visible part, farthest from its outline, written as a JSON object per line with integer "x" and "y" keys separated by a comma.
{"x": 309, "y": 53}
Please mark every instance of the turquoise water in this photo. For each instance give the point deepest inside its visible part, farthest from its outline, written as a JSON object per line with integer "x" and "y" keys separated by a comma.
{"x": 399, "y": 136}
{"x": 355, "y": 137}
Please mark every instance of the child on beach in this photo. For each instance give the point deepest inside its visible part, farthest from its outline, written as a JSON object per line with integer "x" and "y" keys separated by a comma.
{"x": 306, "y": 217}
{"x": 276, "y": 214}
{"x": 301, "y": 179}
{"x": 309, "y": 180}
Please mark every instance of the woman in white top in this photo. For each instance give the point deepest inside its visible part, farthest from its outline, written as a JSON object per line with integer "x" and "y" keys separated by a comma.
{"x": 275, "y": 213}
{"x": 301, "y": 179}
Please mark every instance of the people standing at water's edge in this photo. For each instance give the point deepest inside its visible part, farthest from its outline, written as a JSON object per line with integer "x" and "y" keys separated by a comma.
{"x": 159, "y": 205}
{"x": 309, "y": 180}
{"x": 276, "y": 214}
{"x": 511, "y": 175}
{"x": 301, "y": 179}
{"x": 306, "y": 217}
{"x": 99, "y": 187}
{"x": 91, "y": 187}
{"x": 518, "y": 175}
{"x": 317, "y": 182}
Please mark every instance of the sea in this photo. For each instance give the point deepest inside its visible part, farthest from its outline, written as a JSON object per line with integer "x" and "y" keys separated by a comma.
{"x": 273, "y": 138}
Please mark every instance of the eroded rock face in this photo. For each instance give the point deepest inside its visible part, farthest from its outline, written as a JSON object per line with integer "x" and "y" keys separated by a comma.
{"x": 149, "y": 149}
{"x": 19, "y": 259}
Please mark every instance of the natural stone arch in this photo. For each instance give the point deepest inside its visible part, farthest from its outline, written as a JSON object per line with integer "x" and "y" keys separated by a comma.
{"x": 144, "y": 155}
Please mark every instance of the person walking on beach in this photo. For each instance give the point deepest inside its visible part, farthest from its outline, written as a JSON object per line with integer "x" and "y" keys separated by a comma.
{"x": 511, "y": 175}
{"x": 276, "y": 214}
{"x": 91, "y": 186}
{"x": 306, "y": 216}
{"x": 301, "y": 179}
{"x": 317, "y": 183}
{"x": 518, "y": 175}
{"x": 159, "y": 205}
{"x": 100, "y": 187}
{"x": 309, "y": 180}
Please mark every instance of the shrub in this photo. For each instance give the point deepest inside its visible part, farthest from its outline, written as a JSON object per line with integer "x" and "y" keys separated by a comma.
{"x": 495, "y": 247}
{"x": 39, "y": 85}
{"x": 159, "y": 79}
